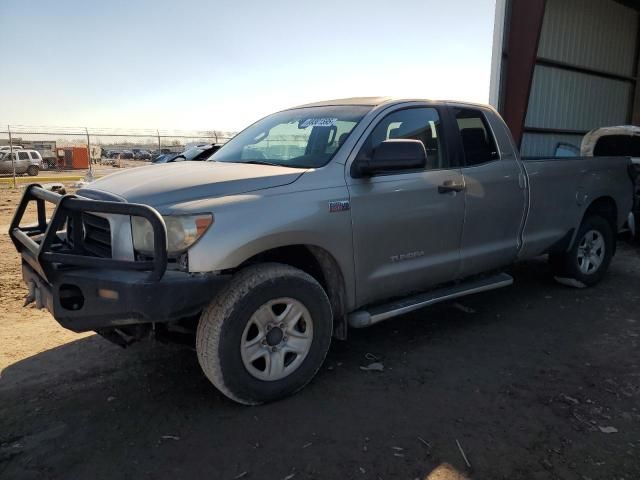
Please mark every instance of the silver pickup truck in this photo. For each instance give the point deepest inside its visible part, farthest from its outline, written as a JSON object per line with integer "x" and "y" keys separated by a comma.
{"x": 313, "y": 219}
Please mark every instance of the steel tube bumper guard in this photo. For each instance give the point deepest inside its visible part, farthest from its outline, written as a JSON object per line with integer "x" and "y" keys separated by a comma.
{"x": 41, "y": 248}
{"x": 86, "y": 292}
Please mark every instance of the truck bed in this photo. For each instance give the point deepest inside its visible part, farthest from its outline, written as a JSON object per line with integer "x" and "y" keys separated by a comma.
{"x": 560, "y": 190}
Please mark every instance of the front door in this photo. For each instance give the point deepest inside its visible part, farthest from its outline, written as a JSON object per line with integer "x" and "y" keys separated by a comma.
{"x": 23, "y": 162}
{"x": 406, "y": 227}
{"x": 5, "y": 163}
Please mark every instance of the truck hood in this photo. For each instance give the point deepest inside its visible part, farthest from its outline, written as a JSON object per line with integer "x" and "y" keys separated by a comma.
{"x": 174, "y": 183}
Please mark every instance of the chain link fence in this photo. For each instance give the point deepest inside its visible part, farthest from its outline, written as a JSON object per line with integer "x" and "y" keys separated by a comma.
{"x": 28, "y": 152}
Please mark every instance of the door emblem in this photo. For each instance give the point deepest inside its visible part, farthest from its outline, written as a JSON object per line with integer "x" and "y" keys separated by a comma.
{"x": 339, "y": 206}
{"x": 407, "y": 256}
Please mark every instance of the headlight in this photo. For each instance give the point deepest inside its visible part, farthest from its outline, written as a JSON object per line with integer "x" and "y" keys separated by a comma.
{"x": 182, "y": 232}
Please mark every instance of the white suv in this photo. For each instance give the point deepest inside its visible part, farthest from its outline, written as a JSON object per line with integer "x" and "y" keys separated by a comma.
{"x": 26, "y": 161}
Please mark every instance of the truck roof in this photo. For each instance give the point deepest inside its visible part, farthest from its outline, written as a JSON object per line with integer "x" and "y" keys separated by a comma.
{"x": 376, "y": 101}
{"x": 365, "y": 101}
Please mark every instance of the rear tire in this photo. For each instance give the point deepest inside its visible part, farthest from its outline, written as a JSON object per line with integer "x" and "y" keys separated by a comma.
{"x": 33, "y": 170}
{"x": 589, "y": 258}
{"x": 266, "y": 334}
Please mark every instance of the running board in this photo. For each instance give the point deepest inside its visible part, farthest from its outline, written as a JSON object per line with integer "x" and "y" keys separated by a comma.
{"x": 365, "y": 318}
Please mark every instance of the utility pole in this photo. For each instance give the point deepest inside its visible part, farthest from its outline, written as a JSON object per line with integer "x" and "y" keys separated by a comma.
{"x": 89, "y": 176}
{"x": 13, "y": 161}
{"x": 159, "y": 146}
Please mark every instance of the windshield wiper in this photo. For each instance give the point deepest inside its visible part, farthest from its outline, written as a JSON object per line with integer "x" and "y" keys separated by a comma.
{"x": 263, "y": 162}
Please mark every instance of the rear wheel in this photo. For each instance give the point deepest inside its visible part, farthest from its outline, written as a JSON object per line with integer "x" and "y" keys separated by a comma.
{"x": 266, "y": 334}
{"x": 589, "y": 258}
{"x": 33, "y": 170}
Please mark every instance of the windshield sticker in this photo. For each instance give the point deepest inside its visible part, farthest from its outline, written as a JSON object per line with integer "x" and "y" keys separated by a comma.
{"x": 318, "y": 122}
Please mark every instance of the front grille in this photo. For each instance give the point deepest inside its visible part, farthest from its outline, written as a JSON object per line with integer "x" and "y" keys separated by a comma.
{"x": 96, "y": 235}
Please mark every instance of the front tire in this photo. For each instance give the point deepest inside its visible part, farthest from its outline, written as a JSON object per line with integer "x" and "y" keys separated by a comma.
{"x": 266, "y": 334}
{"x": 589, "y": 258}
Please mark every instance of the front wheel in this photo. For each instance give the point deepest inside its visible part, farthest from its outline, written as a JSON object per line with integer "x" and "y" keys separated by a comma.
{"x": 589, "y": 258}
{"x": 266, "y": 334}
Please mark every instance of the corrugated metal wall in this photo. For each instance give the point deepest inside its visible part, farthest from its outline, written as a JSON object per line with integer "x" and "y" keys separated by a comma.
{"x": 544, "y": 144}
{"x": 597, "y": 35}
{"x": 576, "y": 101}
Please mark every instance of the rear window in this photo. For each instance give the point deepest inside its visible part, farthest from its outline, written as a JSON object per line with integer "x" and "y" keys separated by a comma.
{"x": 35, "y": 156}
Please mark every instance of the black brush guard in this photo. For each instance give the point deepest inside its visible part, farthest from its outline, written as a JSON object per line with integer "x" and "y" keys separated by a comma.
{"x": 88, "y": 292}
{"x": 41, "y": 247}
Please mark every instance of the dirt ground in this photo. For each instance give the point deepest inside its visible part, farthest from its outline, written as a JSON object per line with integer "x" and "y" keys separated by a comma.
{"x": 535, "y": 381}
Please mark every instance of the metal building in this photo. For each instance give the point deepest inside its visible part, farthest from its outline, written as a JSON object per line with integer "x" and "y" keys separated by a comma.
{"x": 563, "y": 67}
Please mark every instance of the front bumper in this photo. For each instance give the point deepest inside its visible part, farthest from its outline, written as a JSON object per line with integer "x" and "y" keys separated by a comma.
{"x": 88, "y": 299}
{"x": 85, "y": 292}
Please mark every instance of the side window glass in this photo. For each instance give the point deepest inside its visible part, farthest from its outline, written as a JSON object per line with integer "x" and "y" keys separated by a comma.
{"x": 477, "y": 140}
{"x": 35, "y": 156}
{"x": 412, "y": 123}
{"x": 23, "y": 156}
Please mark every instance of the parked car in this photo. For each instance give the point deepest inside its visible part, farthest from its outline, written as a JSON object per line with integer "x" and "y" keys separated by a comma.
{"x": 162, "y": 151}
{"x": 380, "y": 208}
{"x": 164, "y": 158}
{"x": 26, "y": 161}
{"x": 126, "y": 154}
{"x": 197, "y": 153}
{"x": 618, "y": 141}
{"x": 142, "y": 155}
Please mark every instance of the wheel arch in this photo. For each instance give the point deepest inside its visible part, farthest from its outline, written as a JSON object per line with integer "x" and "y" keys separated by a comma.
{"x": 604, "y": 206}
{"x": 322, "y": 266}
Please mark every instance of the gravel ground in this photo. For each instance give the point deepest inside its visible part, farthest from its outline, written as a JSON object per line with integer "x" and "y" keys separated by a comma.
{"x": 535, "y": 381}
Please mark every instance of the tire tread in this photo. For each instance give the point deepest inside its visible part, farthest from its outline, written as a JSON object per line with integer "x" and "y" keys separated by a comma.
{"x": 208, "y": 336}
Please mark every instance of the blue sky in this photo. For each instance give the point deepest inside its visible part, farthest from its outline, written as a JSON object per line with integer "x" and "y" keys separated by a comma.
{"x": 195, "y": 64}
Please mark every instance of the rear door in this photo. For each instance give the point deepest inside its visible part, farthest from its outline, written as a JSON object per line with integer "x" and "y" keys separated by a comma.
{"x": 406, "y": 228}
{"x": 36, "y": 159}
{"x": 495, "y": 194}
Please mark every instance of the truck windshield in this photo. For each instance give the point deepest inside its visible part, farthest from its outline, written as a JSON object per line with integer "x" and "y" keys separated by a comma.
{"x": 299, "y": 138}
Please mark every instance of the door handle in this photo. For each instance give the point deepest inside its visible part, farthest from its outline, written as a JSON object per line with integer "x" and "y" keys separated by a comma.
{"x": 450, "y": 186}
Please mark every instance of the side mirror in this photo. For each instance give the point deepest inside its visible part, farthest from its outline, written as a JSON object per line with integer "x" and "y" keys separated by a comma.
{"x": 393, "y": 156}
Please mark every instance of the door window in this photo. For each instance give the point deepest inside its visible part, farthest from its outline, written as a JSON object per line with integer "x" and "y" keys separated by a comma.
{"x": 23, "y": 156}
{"x": 412, "y": 123}
{"x": 477, "y": 140}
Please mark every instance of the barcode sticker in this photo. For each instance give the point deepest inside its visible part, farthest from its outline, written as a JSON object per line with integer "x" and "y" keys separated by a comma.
{"x": 318, "y": 122}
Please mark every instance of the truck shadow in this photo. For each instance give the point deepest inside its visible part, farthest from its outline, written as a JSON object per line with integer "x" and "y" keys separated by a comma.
{"x": 481, "y": 370}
